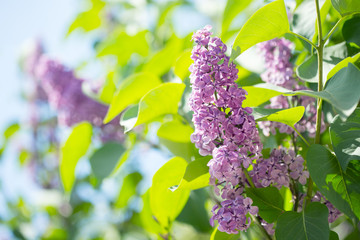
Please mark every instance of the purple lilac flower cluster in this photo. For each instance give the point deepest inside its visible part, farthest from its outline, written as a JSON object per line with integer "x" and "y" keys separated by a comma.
{"x": 231, "y": 216}
{"x": 279, "y": 169}
{"x": 279, "y": 71}
{"x": 223, "y": 128}
{"x": 64, "y": 93}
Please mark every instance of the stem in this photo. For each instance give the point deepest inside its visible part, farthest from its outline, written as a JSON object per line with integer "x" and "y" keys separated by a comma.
{"x": 304, "y": 38}
{"x": 334, "y": 28}
{"x": 320, "y": 87}
{"x": 306, "y": 142}
{"x": 248, "y": 178}
{"x": 258, "y": 222}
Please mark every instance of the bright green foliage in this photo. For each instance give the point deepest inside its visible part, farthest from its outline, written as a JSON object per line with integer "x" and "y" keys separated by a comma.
{"x": 105, "y": 159}
{"x": 128, "y": 189}
{"x": 196, "y": 175}
{"x": 164, "y": 59}
{"x": 344, "y": 63}
{"x": 232, "y": 9}
{"x": 269, "y": 202}
{"x": 160, "y": 101}
{"x": 268, "y": 22}
{"x": 182, "y": 65}
{"x": 346, "y": 7}
{"x": 130, "y": 91}
{"x": 108, "y": 89}
{"x": 287, "y": 116}
{"x": 175, "y": 136}
{"x": 288, "y": 200}
{"x": 260, "y": 94}
{"x": 310, "y": 224}
{"x": 345, "y": 138}
{"x": 217, "y": 235}
{"x": 147, "y": 218}
{"x": 342, "y": 90}
{"x": 341, "y": 188}
{"x": 166, "y": 204}
{"x": 90, "y": 19}
{"x": 122, "y": 45}
{"x": 176, "y": 131}
{"x": 11, "y": 130}
{"x": 74, "y": 148}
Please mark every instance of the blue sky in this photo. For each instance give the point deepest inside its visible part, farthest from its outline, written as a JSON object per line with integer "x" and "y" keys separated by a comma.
{"x": 21, "y": 20}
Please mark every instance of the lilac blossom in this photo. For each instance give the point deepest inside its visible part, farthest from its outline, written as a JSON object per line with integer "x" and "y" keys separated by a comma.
{"x": 279, "y": 169}
{"x": 232, "y": 215}
{"x": 279, "y": 71}
{"x": 64, "y": 91}
{"x": 223, "y": 128}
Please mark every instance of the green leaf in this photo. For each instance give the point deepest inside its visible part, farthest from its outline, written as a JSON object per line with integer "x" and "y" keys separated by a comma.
{"x": 196, "y": 175}
{"x": 182, "y": 65}
{"x": 342, "y": 90}
{"x": 163, "y": 60}
{"x": 88, "y": 20}
{"x": 268, "y": 22}
{"x": 194, "y": 212}
{"x": 345, "y": 138}
{"x": 11, "y": 130}
{"x": 346, "y": 7}
{"x": 123, "y": 46}
{"x": 108, "y": 89}
{"x": 308, "y": 70}
{"x": 186, "y": 150}
{"x": 351, "y": 30}
{"x": 217, "y": 235}
{"x": 341, "y": 188}
{"x": 175, "y": 136}
{"x": 160, "y": 101}
{"x": 332, "y": 55}
{"x": 232, "y": 9}
{"x": 304, "y": 19}
{"x": 310, "y": 224}
{"x": 147, "y": 218}
{"x": 105, "y": 160}
{"x": 344, "y": 63}
{"x": 333, "y": 236}
{"x": 74, "y": 148}
{"x": 288, "y": 116}
{"x": 130, "y": 91}
{"x": 128, "y": 189}
{"x": 176, "y": 131}
{"x": 269, "y": 202}
{"x": 261, "y": 93}
{"x": 166, "y": 204}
